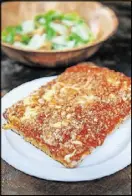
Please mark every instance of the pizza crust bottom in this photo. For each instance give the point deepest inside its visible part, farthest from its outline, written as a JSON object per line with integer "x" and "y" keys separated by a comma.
{"x": 45, "y": 149}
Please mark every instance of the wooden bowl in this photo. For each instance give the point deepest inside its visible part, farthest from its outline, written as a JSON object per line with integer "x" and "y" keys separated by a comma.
{"x": 100, "y": 18}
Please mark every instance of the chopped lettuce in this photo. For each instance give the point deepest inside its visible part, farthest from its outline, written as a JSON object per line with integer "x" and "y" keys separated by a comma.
{"x": 76, "y": 38}
{"x": 39, "y": 20}
{"x": 53, "y": 15}
{"x": 9, "y": 33}
{"x": 73, "y": 17}
{"x": 18, "y": 29}
{"x": 69, "y": 45}
{"x": 68, "y": 23}
{"x": 37, "y": 41}
{"x": 38, "y": 17}
{"x": 20, "y": 45}
{"x": 82, "y": 32}
{"x": 61, "y": 42}
{"x": 14, "y": 29}
{"x": 45, "y": 19}
{"x": 25, "y": 39}
{"x": 50, "y": 32}
{"x": 59, "y": 30}
{"x": 28, "y": 26}
{"x": 42, "y": 21}
{"x": 9, "y": 38}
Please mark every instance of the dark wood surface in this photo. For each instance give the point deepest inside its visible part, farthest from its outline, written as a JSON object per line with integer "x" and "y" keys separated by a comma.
{"x": 115, "y": 54}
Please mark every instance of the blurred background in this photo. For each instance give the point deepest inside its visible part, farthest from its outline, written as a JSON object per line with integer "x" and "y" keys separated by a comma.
{"x": 115, "y": 53}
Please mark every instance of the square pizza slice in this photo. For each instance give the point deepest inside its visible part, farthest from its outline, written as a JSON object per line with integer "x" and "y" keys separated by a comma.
{"x": 73, "y": 114}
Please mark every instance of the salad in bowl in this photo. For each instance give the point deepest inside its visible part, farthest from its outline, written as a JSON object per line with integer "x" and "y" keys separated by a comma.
{"x": 52, "y": 30}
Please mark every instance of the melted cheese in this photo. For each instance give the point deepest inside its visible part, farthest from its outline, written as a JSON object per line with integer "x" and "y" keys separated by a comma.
{"x": 27, "y": 101}
{"x": 49, "y": 94}
{"x": 59, "y": 124}
{"x": 112, "y": 97}
{"x": 56, "y": 125}
{"x": 68, "y": 156}
{"x": 29, "y": 113}
{"x": 113, "y": 81}
{"x": 77, "y": 142}
{"x": 48, "y": 139}
{"x": 69, "y": 90}
{"x": 86, "y": 99}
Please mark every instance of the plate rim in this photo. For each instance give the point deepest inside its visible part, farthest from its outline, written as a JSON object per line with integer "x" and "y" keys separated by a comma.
{"x": 126, "y": 154}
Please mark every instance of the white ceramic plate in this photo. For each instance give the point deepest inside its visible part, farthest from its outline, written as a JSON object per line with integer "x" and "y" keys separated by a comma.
{"x": 112, "y": 156}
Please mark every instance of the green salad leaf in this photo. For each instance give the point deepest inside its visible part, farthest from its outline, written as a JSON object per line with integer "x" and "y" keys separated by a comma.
{"x": 3, "y": 35}
{"x": 9, "y": 33}
{"x": 78, "y": 39}
{"x": 50, "y": 32}
{"x": 53, "y": 15}
{"x": 45, "y": 19}
{"x": 8, "y": 38}
{"x": 14, "y": 30}
{"x": 38, "y": 17}
{"x": 52, "y": 24}
{"x": 25, "y": 39}
{"x": 73, "y": 17}
{"x": 39, "y": 20}
{"x": 55, "y": 46}
{"x": 18, "y": 29}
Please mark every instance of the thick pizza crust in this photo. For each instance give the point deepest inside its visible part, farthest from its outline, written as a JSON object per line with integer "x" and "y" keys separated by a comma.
{"x": 45, "y": 148}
